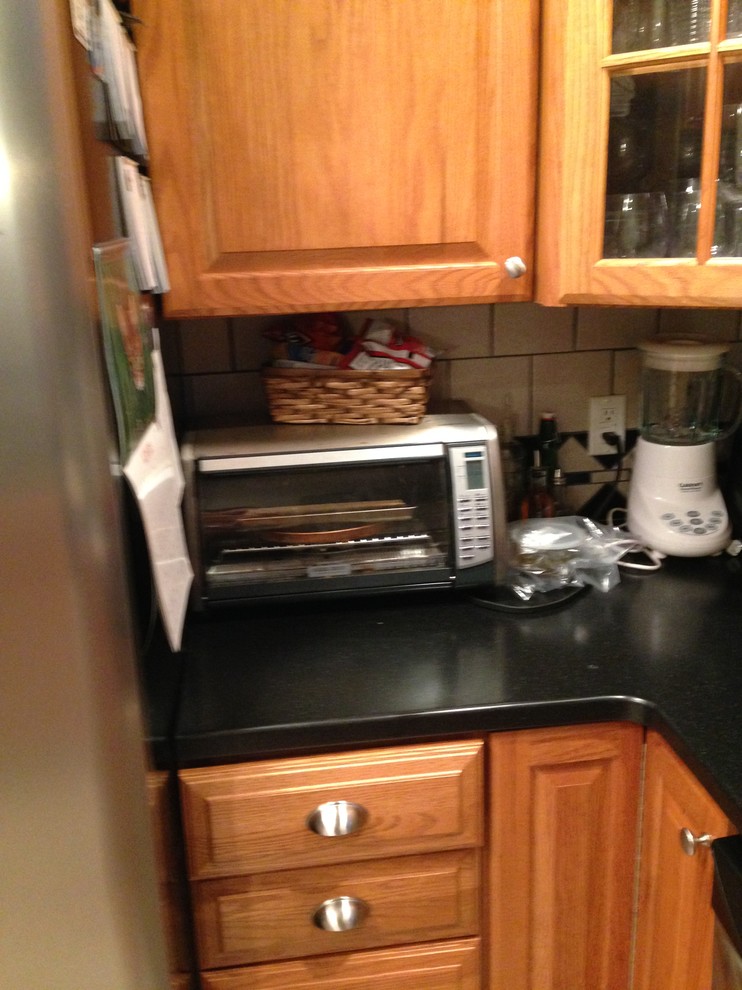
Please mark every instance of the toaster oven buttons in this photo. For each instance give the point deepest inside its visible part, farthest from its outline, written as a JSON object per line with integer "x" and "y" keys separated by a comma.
{"x": 470, "y": 474}
{"x": 473, "y": 531}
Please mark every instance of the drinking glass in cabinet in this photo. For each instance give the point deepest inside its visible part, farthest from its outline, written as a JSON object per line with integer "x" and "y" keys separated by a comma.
{"x": 734, "y": 19}
{"x": 729, "y": 194}
{"x": 684, "y": 211}
{"x": 639, "y": 25}
{"x": 733, "y": 230}
{"x": 636, "y": 226}
{"x": 655, "y": 145}
{"x": 688, "y": 21}
{"x": 685, "y": 207}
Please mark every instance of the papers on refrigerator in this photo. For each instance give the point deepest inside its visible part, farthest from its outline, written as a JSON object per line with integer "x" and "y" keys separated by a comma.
{"x": 81, "y": 14}
{"x": 156, "y": 478}
{"x": 115, "y": 63}
{"x": 148, "y": 448}
{"x": 141, "y": 227}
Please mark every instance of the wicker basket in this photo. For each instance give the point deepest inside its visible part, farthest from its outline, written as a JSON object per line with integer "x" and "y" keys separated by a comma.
{"x": 298, "y": 395}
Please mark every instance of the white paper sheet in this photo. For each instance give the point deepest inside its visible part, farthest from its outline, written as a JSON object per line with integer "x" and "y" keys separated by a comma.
{"x": 80, "y": 14}
{"x": 155, "y": 475}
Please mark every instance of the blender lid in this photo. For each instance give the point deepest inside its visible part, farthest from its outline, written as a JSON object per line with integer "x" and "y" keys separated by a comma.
{"x": 682, "y": 355}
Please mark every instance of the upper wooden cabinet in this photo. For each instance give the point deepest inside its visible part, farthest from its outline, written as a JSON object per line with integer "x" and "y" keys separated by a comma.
{"x": 640, "y": 182}
{"x": 340, "y": 154}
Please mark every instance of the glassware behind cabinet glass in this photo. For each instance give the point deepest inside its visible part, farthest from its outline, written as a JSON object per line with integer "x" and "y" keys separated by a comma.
{"x": 639, "y": 24}
{"x": 688, "y": 21}
{"x": 730, "y": 157}
{"x": 636, "y": 226}
{"x": 734, "y": 19}
{"x": 651, "y": 207}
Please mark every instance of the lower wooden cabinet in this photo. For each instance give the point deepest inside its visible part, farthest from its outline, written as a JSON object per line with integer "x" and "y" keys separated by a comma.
{"x": 562, "y": 848}
{"x": 339, "y": 853}
{"x": 675, "y": 924}
{"x": 575, "y": 872}
{"x": 450, "y": 965}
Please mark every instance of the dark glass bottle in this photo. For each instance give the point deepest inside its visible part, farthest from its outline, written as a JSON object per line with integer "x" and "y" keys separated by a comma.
{"x": 558, "y": 485}
{"x": 537, "y": 502}
{"x": 548, "y": 445}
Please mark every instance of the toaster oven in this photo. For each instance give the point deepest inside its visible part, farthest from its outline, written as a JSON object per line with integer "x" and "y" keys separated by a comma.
{"x": 284, "y": 511}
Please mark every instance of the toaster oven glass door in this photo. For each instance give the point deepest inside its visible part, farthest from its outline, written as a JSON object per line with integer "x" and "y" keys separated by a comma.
{"x": 325, "y": 527}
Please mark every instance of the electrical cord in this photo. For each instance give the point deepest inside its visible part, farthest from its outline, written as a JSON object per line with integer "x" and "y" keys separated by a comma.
{"x": 654, "y": 557}
{"x": 613, "y": 440}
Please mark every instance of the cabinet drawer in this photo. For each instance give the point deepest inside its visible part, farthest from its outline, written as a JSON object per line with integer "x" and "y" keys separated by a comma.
{"x": 440, "y": 966}
{"x": 244, "y": 920}
{"x": 253, "y": 818}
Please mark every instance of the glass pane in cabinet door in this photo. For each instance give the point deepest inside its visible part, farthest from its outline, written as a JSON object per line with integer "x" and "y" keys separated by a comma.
{"x": 639, "y": 25}
{"x": 734, "y": 19}
{"x": 729, "y": 189}
{"x": 654, "y": 163}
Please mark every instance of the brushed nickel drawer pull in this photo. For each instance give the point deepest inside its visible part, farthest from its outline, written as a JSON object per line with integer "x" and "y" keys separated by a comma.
{"x": 340, "y": 914}
{"x": 335, "y": 818}
{"x": 690, "y": 843}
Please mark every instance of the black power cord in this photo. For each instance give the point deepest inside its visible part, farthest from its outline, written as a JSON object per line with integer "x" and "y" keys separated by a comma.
{"x": 613, "y": 440}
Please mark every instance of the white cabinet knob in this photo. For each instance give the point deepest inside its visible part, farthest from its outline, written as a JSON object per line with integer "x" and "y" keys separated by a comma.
{"x": 515, "y": 266}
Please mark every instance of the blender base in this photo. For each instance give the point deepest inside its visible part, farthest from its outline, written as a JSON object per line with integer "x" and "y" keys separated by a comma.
{"x": 674, "y": 503}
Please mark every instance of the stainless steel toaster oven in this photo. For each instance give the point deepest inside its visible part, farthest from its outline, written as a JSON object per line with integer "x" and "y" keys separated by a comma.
{"x": 295, "y": 511}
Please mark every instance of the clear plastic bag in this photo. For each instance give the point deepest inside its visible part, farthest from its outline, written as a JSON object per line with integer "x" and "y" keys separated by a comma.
{"x": 565, "y": 552}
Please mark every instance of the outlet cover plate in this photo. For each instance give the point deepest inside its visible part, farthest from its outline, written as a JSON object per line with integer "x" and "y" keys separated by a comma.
{"x": 607, "y": 414}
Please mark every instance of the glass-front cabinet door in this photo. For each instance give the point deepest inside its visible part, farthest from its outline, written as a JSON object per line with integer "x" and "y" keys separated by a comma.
{"x": 640, "y": 174}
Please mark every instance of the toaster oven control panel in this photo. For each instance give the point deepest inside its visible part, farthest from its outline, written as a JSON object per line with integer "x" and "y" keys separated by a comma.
{"x": 472, "y": 505}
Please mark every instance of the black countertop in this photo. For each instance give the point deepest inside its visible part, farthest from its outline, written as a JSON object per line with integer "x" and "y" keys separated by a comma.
{"x": 661, "y": 649}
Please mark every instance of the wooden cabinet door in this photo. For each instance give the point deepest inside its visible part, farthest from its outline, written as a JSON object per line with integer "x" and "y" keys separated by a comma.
{"x": 578, "y": 66}
{"x": 340, "y": 154}
{"x": 675, "y": 919}
{"x": 563, "y": 830}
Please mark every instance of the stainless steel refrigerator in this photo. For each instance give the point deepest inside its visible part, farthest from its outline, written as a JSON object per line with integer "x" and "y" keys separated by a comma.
{"x": 78, "y": 890}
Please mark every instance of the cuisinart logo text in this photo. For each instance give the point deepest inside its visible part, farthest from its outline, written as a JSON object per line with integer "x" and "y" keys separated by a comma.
{"x": 690, "y": 486}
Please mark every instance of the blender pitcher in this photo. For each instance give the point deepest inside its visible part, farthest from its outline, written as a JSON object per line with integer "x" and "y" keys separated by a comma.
{"x": 674, "y": 503}
{"x": 683, "y": 384}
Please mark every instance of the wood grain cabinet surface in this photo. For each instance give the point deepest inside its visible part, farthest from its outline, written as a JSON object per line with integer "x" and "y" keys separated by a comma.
{"x": 577, "y": 69}
{"x": 675, "y": 920}
{"x": 412, "y": 860}
{"x": 252, "y": 817}
{"x": 562, "y": 849}
{"x": 171, "y": 885}
{"x": 450, "y": 965}
{"x": 340, "y": 154}
{"x": 270, "y": 916}
{"x": 566, "y": 879}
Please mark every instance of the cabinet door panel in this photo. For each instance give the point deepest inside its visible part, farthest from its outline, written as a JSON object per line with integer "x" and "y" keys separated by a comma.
{"x": 564, "y": 808}
{"x": 578, "y": 66}
{"x": 313, "y": 154}
{"x": 675, "y": 921}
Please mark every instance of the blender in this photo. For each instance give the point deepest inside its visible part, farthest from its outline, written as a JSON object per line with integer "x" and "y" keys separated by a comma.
{"x": 674, "y": 502}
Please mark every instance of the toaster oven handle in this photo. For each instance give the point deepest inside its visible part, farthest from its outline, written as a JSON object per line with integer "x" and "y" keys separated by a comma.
{"x": 497, "y": 501}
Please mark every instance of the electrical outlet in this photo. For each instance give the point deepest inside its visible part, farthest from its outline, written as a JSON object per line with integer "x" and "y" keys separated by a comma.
{"x": 607, "y": 414}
